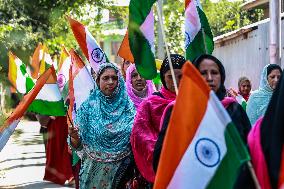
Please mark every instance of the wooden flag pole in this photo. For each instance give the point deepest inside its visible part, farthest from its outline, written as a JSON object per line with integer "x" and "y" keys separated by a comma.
{"x": 257, "y": 185}
{"x": 167, "y": 49}
{"x": 204, "y": 40}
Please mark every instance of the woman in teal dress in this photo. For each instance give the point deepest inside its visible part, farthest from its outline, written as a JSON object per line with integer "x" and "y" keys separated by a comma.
{"x": 101, "y": 136}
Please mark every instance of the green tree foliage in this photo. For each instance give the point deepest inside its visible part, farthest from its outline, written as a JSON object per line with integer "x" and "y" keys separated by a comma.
{"x": 174, "y": 24}
{"x": 25, "y": 23}
{"x": 223, "y": 16}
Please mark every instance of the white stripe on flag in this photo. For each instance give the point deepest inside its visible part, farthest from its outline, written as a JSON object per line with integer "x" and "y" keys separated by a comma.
{"x": 49, "y": 92}
{"x": 48, "y": 59}
{"x": 63, "y": 74}
{"x": 21, "y": 79}
{"x": 206, "y": 151}
{"x": 83, "y": 84}
{"x": 96, "y": 55}
{"x": 192, "y": 22}
{"x": 5, "y": 135}
{"x": 147, "y": 28}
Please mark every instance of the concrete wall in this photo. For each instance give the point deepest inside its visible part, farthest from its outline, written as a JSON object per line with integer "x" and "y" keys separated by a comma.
{"x": 246, "y": 54}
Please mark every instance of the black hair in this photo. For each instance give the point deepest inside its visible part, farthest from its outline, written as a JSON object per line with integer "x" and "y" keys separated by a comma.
{"x": 272, "y": 67}
{"x": 177, "y": 60}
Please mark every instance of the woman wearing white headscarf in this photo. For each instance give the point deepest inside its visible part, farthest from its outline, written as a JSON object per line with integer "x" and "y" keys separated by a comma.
{"x": 259, "y": 99}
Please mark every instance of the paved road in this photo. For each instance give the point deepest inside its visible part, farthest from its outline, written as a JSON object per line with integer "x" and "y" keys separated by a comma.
{"x": 22, "y": 161}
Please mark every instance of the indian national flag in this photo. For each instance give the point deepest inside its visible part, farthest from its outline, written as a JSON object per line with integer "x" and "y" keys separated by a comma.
{"x": 80, "y": 83}
{"x": 239, "y": 98}
{"x": 198, "y": 35}
{"x": 63, "y": 73}
{"x": 203, "y": 150}
{"x": 7, "y": 129}
{"x": 88, "y": 44}
{"x": 18, "y": 75}
{"x": 41, "y": 61}
{"x": 141, "y": 37}
{"x": 49, "y": 100}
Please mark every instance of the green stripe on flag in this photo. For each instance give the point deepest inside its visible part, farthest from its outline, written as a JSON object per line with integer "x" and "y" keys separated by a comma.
{"x": 237, "y": 154}
{"x": 29, "y": 84}
{"x": 244, "y": 105}
{"x": 47, "y": 108}
{"x": 197, "y": 46}
{"x": 144, "y": 59}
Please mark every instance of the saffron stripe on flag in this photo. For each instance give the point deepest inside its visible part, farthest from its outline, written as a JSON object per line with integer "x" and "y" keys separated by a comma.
{"x": 88, "y": 44}
{"x": 11, "y": 123}
{"x": 124, "y": 49}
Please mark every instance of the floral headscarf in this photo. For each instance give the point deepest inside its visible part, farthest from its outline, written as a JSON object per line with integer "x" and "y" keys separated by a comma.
{"x": 105, "y": 122}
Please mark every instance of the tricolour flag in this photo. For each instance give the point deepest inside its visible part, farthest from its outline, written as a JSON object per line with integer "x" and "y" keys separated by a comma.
{"x": 63, "y": 73}
{"x": 80, "y": 83}
{"x": 49, "y": 100}
{"x": 41, "y": 61}
{"x": 88, "y": 44}
{"x": 198, "y": 35}
{"x": 124, "y": 49}
{"x": 11, "y": 123}
{"x": 239, "y": 98}
{"x": 141, "y": 37}
{"x": 18, "y": 75}
{"x": 203, "y": 150}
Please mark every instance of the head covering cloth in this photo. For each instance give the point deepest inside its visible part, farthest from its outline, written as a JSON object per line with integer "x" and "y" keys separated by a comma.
{"x": 221, "y": 92}
{"x": 177, "y": 61}
{"x": 150, "y": 88}
{"x": 259, "y": 99}
{"x": 105, "y": 122}
{"x": 240, "y": 82}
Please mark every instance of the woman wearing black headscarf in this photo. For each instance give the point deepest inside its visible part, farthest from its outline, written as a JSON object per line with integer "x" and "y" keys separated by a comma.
{"x": 146, "y": 125}
{"x": 213, "y": 72}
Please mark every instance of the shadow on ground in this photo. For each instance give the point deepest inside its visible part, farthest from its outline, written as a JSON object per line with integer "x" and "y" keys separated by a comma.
{"x": 22, "y": 158}
{"x": 37, "y": 185}
{"x": 22, "y": 166}
{"x": 32, "y": 140}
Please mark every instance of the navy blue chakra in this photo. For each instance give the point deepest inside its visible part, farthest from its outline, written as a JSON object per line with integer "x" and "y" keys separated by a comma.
{"x": 98, "y": 55}
{"x": 187, "y": 40}
{"x": 207, "y": 152}
{"x": 61, "y": 80}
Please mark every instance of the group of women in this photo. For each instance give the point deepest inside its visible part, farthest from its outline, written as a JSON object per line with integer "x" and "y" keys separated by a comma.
{"x": 120, "y": 128}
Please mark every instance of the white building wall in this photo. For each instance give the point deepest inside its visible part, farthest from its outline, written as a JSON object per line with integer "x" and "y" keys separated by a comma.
{"x": 246, "y": 55}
